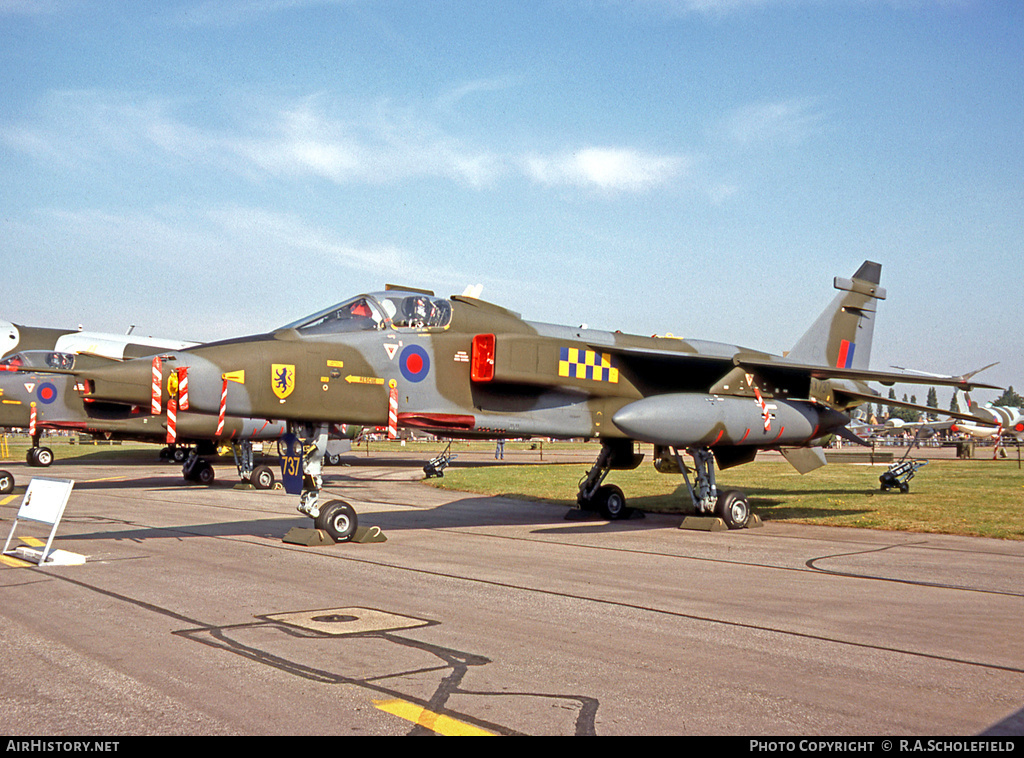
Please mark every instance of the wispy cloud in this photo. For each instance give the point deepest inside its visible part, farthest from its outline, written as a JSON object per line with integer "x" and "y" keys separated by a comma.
{"x": 312, "y": 137}
{"x": 285, "y": 236}
{"x": 606, "y": 168}
{"x": 378, "y": 145}
{"x": 454, "y": 96}
{"x": 79, "y": 127}
{"x": 772, "y": 122}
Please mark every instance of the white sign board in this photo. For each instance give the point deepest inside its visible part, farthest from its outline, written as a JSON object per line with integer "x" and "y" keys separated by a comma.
{"x": 44, "y": 502}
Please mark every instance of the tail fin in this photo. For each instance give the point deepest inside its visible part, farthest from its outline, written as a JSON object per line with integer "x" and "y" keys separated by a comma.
{"x": 841, "y": 336}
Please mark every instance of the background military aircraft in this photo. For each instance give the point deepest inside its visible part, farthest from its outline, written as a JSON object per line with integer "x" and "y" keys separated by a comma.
{"x": 463, "y": 367}
{"x": 1009, "y": 422}
{"x": 61, "y": 344}
{"x": 33, "y": 397}
{"x": 15, "y": 338}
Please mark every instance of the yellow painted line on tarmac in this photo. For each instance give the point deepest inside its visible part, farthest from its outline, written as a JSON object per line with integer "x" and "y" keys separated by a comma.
{"x": 32, "y": 542}
{"x": 8, "y": 499}
{"x": 435, "y": 722}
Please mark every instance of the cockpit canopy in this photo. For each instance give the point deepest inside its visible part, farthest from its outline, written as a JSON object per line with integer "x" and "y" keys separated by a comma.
{"x": 40, "y": 359}
{"x": 396, "y": 309}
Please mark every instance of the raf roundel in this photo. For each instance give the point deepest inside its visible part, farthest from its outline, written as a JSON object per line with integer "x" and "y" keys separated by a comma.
{"x": 46, "y": 393}
{"x": 415, "y": 363}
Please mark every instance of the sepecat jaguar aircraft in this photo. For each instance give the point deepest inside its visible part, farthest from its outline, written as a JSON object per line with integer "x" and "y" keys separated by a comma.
{"x": 461, "y": 367}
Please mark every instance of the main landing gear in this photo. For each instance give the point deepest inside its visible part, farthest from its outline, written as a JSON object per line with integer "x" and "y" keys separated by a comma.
{"x": 196, "y": 469}
{"x": 38, "y": 456}
{"x": 607, "y": 499}
{"x": 732, "y": 506}
{"x": 336, "y": 517}
{"x": 261, "y": 477}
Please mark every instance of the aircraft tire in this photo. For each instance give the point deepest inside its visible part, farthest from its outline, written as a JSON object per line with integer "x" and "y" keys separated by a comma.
{"x": 203, "y": 473}
{"x": 262, "y": 478}
{"x": 44, "y": 457}
{"x": 333, "y": 459}
{"x": 338, "y": 519}
{"x": 6, "y": 482}
{"x": 611, "y": 503}
{"x": 733, "y": 508}
{"x": 179, "y": 454}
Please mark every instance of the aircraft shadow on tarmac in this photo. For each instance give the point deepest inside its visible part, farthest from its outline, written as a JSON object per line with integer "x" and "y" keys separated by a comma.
{"x": 267, "y": 528}
{"x": 780, "y": 505}
{"x": 466, "y": 512}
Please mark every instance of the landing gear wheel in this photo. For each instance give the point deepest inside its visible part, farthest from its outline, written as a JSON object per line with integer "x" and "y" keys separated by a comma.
{"x": 203, "y": 473}
{"x": 611, "y": 503}
{"x": 733, "y": 508}
{"x": 333, "y": 459}
{"x": 39, "y": 456}
{"x": 338, "y": 519}
{"x": 179, "y": 454}
{"x": 6, "y": 483}
{"x": 44, "y": 457}
{"x": 262, "y": 478}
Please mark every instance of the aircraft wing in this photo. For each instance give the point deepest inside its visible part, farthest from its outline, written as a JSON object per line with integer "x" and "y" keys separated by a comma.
{"x": 693, "y": 369}
{"x": 756, "y": 363}
{"x": 869, "y": 398}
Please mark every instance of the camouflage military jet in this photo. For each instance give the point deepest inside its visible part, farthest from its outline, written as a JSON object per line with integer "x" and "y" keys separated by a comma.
{"x": 462, "y": 367}
{"x": 55, "y": 349}
{"x": 32, "y": 397}
{"x": 46, "y": 349}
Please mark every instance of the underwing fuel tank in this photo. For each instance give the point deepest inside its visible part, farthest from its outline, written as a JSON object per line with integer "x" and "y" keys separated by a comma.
{"x": 685, "y": 419}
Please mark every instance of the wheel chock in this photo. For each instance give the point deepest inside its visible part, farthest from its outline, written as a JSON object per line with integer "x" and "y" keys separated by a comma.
{"x": 715, "y": 524}
{"x": 704, "y": 524}
{"x": 368, "y": 534}
{"x": 298, "y": 535}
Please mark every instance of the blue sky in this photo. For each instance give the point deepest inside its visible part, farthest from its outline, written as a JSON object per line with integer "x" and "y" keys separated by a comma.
{"x": 699, "y": 167}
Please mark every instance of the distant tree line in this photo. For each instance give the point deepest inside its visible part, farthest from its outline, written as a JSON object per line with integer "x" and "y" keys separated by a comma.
{"x": 1009, "y": 399}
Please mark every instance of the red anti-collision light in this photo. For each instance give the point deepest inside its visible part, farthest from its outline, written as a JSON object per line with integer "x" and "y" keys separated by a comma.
{"x": 481, "y": 367}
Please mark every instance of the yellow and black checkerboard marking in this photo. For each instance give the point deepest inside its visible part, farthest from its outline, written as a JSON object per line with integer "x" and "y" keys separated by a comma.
{"x": 587, "y": 364}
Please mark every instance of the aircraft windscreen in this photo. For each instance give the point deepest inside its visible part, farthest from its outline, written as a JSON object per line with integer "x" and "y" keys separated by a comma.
{"x": 401, "y": 310}
{"x": 40, "y": 359}
{"x": 416, "y": 311}
{"x": 356, "y": 315}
